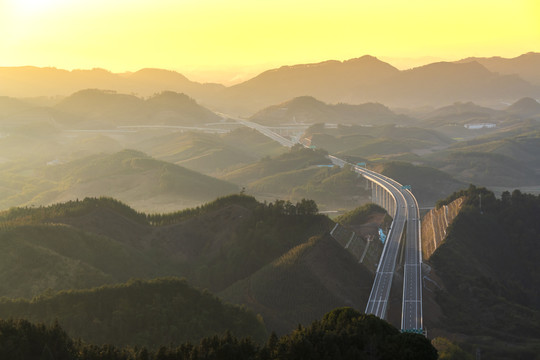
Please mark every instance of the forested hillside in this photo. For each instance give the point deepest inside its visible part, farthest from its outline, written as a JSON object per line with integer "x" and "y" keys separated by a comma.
{"x": 301, "y": 173}
{"x": 303, "y": 284}
{"x": 81, "y": 244}
{"x": 488, "y": 265}
{"x": 164, "y": 311}
{"x": 342, "y": 333}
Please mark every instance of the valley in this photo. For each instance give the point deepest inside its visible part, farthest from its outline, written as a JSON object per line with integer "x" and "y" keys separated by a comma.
{"x": 275, "y": 202}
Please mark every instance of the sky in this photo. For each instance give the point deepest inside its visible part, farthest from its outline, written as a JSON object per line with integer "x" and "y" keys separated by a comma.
{"x": 229, "y": 40}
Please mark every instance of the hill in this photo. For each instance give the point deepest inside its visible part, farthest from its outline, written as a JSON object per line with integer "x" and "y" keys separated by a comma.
{"x": 428, "y": 184}
{"x": 346, "y": 331}
{"x": 525, "y": 65}
{"x": 354, "y": 81}
{"x": 309, "y": 110}
{"x": 377, "y": 144}
{"x": 368, "y": 79}
{"x": 490, "y": 168}
{"x": 460, "y": 113}
{"x": 487, "y": 270}
{"x": 312, "y": 80}
{"x": 211, "y": 153}
{"x": 301, "y": 173}
{"x": 82, "y": 244}
{"x": 129, "y": 175}
{"x": 526, "y": 108}
{"x": 303, "y": 284}
{"x": 444, "y": 82}
{"x": 105, "y": 109}
{"x": 138, "y": 313}
{"x": 297, "y": 158}
{"x": 30, "y": 81}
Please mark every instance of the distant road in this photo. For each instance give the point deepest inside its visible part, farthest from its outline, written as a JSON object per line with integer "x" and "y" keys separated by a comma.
{"x": 406, "y": 212}
{"x": 263, "y": 130}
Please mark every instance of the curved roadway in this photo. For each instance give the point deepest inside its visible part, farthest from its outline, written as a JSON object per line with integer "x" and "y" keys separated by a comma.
{"x": 406, "y": 212}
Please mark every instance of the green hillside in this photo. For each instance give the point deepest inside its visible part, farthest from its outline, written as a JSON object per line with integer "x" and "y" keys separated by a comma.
{"x": 95, "y": 109}
{"x": 375, "y": 141}
{"x": 129, "y": 175}
{"x": 80, "y": 244}
{"x": 488, "y": 265}
{"x": 346, "y": 333}
{"x": 209, "y": 153}
{"x": 37, "y": 258}
{"x": 301, "y": 173}
{"x": 329, "y": 187}
{"x": 304, "y": 283}
{"x": 142, "y": 313}
{"x": 297, "y": 158}
{"x": 486, "y": 168}
{"x": 521, "y": 143}
{"x": 306, "y": 109}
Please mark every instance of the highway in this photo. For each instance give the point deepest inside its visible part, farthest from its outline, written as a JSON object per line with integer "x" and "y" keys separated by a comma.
{"x": 411, "y": 312}
{"x": 262, "y": 129}
{"x": 380, "y": 292}
{"x": 406, "y": 213}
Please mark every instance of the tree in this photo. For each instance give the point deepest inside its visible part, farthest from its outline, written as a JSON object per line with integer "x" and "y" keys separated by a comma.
{"x": 306, "y": 207}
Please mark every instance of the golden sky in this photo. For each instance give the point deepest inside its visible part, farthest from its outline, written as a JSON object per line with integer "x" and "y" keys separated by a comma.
{"x": 206, "y": 37}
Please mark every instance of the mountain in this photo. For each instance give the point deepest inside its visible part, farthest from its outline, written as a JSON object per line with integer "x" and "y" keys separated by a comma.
{"x": 30, "y": 81}
{"x": 211, "y": 153}
{"x": 368, "y": 79}
{"x": 485, "y": 270}
{"x": 344, "y": 330}
{"x": 375, "y": 143}
{"x": 214, "y": 245}
{"x": 525, "y": 66}
{"x": 99, "y": 108}
{"x": 355, "y": 81}
{"x": 329, "y": 81}
{"x": 308, "y": 110}
{"x": 138, "y": 313}
{"x": 129, "y": 175}
{"x": 460, "y": 113}
{"x": 303, "y": 284}
{"x": 296, "y": 158}
{"x": 444, "y": 82}
{"x": 10, "y": 106}
{"x": 520, "y": 143}
{"x": 300, "y": 173}
{"x": 494, "y": 165}
{"x": 526, "y": 108}
{"x": 428, "y": 183}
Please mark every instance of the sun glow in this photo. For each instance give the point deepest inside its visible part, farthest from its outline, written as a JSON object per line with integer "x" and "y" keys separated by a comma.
{"x": 208, "y": 35}
{"x": 35, "y": 7}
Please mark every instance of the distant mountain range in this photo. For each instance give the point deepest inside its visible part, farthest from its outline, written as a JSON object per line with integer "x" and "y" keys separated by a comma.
{"x": 489, "y": 81}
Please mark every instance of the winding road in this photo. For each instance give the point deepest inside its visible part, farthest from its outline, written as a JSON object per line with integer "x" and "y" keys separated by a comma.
{"x": 406, "y": 215}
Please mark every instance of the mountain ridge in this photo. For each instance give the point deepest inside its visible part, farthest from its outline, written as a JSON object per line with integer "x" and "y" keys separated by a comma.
{"x": 363, "y": 79}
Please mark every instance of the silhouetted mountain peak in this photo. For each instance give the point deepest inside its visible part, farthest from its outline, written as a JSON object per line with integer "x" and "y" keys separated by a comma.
{"x": 158, "y": 75}
{"x": 525, "y": 107}
{"x": 170, "y": 97}
{"x": 448, "y": 68}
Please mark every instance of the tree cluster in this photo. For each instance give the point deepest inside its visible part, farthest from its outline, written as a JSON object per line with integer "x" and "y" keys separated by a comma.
{"x": 342, "y": 334}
